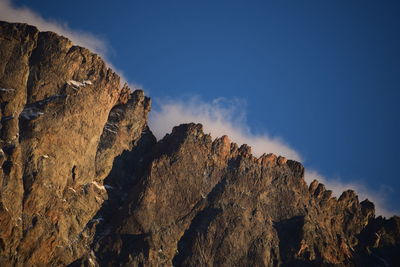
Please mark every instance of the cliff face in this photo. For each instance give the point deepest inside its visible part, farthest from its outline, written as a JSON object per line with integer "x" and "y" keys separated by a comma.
{"x": 63, "y": 120}
{"x": 83, "y": 180}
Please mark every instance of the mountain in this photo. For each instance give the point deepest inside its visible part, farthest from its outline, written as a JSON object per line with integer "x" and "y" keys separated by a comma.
{"x": 84, "y": 182}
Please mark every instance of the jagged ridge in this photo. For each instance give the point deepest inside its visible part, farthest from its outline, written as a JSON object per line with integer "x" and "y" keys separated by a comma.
{"x": 186, "y": 200}
{"x": 209, "y": 202}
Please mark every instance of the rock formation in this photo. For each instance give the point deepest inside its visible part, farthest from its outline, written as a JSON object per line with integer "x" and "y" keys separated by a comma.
{"x": 84, "y": 182}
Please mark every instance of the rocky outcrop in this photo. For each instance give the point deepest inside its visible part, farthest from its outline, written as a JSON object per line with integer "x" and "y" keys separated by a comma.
{"x": 62, "y": 124}
{"x": 204, "y": 202}
{"x": 85, "y": 183}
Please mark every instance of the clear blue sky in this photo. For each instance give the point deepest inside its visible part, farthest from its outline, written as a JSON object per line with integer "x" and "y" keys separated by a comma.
{"x": 323, "y": 75}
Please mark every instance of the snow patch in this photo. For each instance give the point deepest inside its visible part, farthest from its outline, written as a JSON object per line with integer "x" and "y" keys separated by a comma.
{"x": 30, "y": 113}
{"x": 101, "y": 187}
{"x": 91, "y": 262}
{"x": 73, "y": 190}
{"x": 111, "y": 128}
{"x": 97, "y": 220}
{"x": 33, "y": 111}
{"x": 108, "y": 129}
{"x": 6, "y": 90}
{"x": 77, "y": 84}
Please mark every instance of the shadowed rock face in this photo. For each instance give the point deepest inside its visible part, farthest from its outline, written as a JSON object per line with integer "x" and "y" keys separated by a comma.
{"x": 85, "y": 183}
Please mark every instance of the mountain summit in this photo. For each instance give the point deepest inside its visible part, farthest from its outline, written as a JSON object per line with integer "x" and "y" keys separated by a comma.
{"x": 84, "y": 182}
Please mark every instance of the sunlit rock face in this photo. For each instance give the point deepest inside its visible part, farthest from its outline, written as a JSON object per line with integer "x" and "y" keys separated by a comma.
{"x": 84, "y": 182}
{"x": 62, "y": 124}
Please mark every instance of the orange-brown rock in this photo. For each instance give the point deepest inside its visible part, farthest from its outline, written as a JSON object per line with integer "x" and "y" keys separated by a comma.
{"x": 281, "y": 160}
{"x": 83, "y": 181}
{"x": 60, "y": 133}
{"x": 194, "y": 206}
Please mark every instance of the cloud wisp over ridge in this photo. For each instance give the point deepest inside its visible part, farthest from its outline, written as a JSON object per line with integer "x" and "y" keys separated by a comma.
{"x": 377, "y": 196}
{"x": 11, "y": 13}
{"x": 223, "y": 117}
{"x": 219, "y": 117}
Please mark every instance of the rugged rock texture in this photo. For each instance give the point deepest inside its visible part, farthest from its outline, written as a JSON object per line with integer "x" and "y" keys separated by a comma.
{"x": 64, "y": 117}
{"x": 85, "y": 183}
{"x": 204, "y": 202}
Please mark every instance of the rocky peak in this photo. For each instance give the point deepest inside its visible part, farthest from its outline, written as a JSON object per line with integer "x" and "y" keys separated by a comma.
{"x": 84, "y": 182}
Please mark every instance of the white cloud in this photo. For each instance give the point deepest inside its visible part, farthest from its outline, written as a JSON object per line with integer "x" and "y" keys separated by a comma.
{"x": 11, "y": 13}
{"x": 378, "y": 197}
{"x": 219, "y": 117}
{"x": 222, "y": 117}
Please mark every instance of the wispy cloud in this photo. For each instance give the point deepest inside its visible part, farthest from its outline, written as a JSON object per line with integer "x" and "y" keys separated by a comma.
{"x": 219, "y": 117}
{"x": 11, "y": 13}
{"x": 223, "y": 117}
{"x": 378, "y": 196}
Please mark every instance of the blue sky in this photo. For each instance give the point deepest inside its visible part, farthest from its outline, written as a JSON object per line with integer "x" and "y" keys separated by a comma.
{"x": 323, "y": 76}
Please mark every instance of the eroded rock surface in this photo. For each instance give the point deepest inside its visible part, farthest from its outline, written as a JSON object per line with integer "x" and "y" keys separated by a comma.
{"x": 204, "y": 202}
{"x": 62, "y": 124}
{"x": 84, "y": 182}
